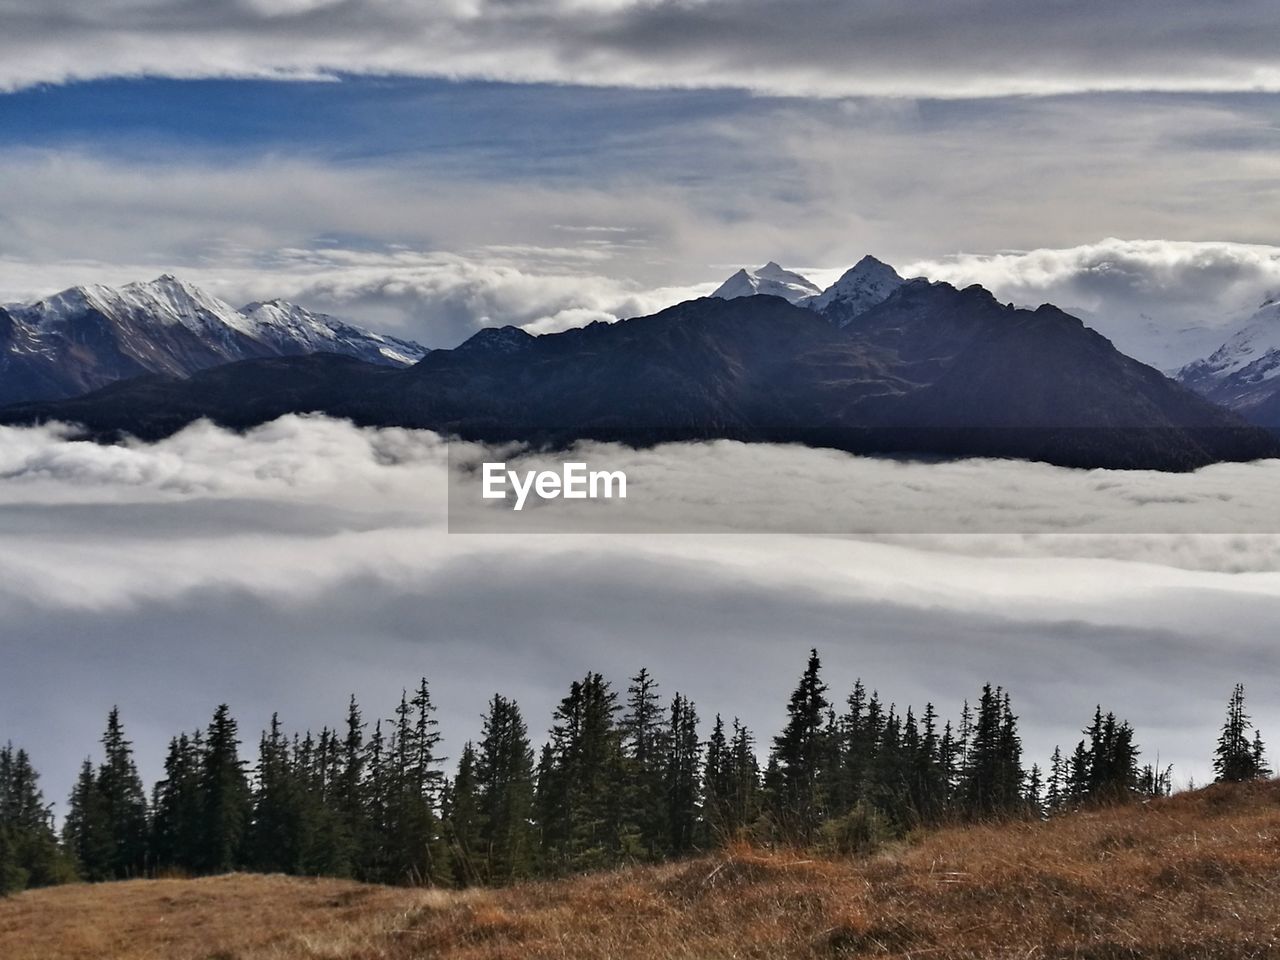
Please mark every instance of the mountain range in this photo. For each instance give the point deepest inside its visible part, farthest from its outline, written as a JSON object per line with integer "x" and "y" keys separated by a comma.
{"x": 1241, "y": 370}
{"x": 89, "y": 336}
{"x": 875, "y": 364}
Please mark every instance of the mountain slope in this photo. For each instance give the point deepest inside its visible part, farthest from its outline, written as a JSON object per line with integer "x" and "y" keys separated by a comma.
{"x": 1185, "y": 878}
{"x": 930, "y": 370}
{"x": 1244, "y": 372}
{"x": 87, "y": 337}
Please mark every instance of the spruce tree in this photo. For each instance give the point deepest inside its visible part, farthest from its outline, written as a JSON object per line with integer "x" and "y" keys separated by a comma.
{"x": 715, "y": 784}
{"x": 86, "y": 831}
{"x": 177, "y": 826}
{"x": 504, "y": 787}
{"x": 463, "y": 818}
{"x": 681, "y": 784}
{"x": 225, "y": 799}
{"x": 1034, "y": 794}
{"x": 1237, "y": 758}
{"x": 372, "y": 856}
{"x": 645, "y": 828}
{"x": 415, "y": 849}
{"x": 124, "y": 802}
{"x": 349, "y": 790}
{"x": 993, "y": 779}
{"x": 580, "y": 785}
{"x": 29, "y": 852}
{"x": 799, "y": 750}
{"x": 742, "y": 779}
{"x": 281, "y": 829}
{"x": 1055, "y": 796}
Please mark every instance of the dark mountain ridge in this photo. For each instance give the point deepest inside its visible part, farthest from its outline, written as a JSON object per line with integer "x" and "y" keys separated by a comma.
{"x": 929, "y": 370}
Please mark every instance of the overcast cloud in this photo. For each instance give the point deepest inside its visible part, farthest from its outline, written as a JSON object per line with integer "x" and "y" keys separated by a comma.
{"x": 635, "y": 222}
{"x": 956, "y": 48}
{"x": 307, "y": 559}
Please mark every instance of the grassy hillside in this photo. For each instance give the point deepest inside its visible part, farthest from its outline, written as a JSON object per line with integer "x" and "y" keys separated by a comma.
{"x": 1194, "y": 876}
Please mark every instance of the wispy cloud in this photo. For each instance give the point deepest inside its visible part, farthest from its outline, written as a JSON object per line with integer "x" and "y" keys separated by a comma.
{"x": 959, "y": 48}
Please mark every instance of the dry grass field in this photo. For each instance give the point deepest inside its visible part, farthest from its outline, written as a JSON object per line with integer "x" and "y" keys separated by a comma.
{"x": 1197, "y": 876}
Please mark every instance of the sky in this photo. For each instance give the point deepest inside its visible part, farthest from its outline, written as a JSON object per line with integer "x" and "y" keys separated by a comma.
{"x": 429, "y": 169}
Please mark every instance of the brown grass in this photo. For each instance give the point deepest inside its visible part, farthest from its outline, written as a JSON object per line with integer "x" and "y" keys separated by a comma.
{"x": 1197, "y": 876}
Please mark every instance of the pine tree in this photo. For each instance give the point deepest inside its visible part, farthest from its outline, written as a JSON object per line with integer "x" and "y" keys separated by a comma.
{"x": 1113, "y": 758}
{"x": 1056, "y": 788}
{"x": 415, "y": 850}
{"x": 742, "y": 779}
{"x": 1236, "y": 758}
{"x": 29, "y": 852}
{"x": 178, "y": 807}
{"x": 645, "y": 828}
{"x": 504, "y": 787}
{"x": 1034, "y": 794}
{"x": 1260, "y": 769}
{"x": 715, "y": 785}
{"x": 581, "y": 781}
{"x": 225, "y": 798}
{"x": 464, "y": 821}
{"x": 798, "y": 751}
{"x": 349, "y": 789}
{"x": 124, "y": 803}
{"x": 681, "y": 777}
{"x": 993, "y": 780}
{"x": 371, "y": 859}
{"x": 86, "y": 831}
{"x": 856, "y": 748}
{"x": 887, "y": 787}
{"x": 281, "y": 830}
{"x": 928, "y": 776}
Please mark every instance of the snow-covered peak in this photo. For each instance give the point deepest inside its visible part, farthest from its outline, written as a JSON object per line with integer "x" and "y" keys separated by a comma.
{"x": 144, "y": 317}
{"x": 165, "y": 301}
{"x": 294, "y": 329}
{"x": 771, "y": 280}
{"x": 1251, "y": 354}
{"x": 861, "y": 287}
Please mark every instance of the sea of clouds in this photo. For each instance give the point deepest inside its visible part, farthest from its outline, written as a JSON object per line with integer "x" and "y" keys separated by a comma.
{"x": 305, "y": 560}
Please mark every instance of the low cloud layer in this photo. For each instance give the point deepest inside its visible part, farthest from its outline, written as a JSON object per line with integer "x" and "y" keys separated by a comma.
{"x": 288, "y": 567}
{"x": 807, "y": 47}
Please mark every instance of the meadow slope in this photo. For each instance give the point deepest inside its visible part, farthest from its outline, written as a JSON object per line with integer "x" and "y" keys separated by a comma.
{"x": 1195, "y": 876}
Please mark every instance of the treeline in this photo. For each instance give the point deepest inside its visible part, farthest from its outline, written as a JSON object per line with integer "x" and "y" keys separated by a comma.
{"x": 623, "y": 777}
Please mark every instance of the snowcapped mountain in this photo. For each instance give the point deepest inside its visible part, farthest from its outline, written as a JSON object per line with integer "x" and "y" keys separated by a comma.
{"x": 294, "y": 329}
{"x": 1244, "y": 372}
{"x": 866, "y": 284}
{"x": 770, "y": 280}
{"x": 931, "y": 369}
{"x": 89, "y": 336}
